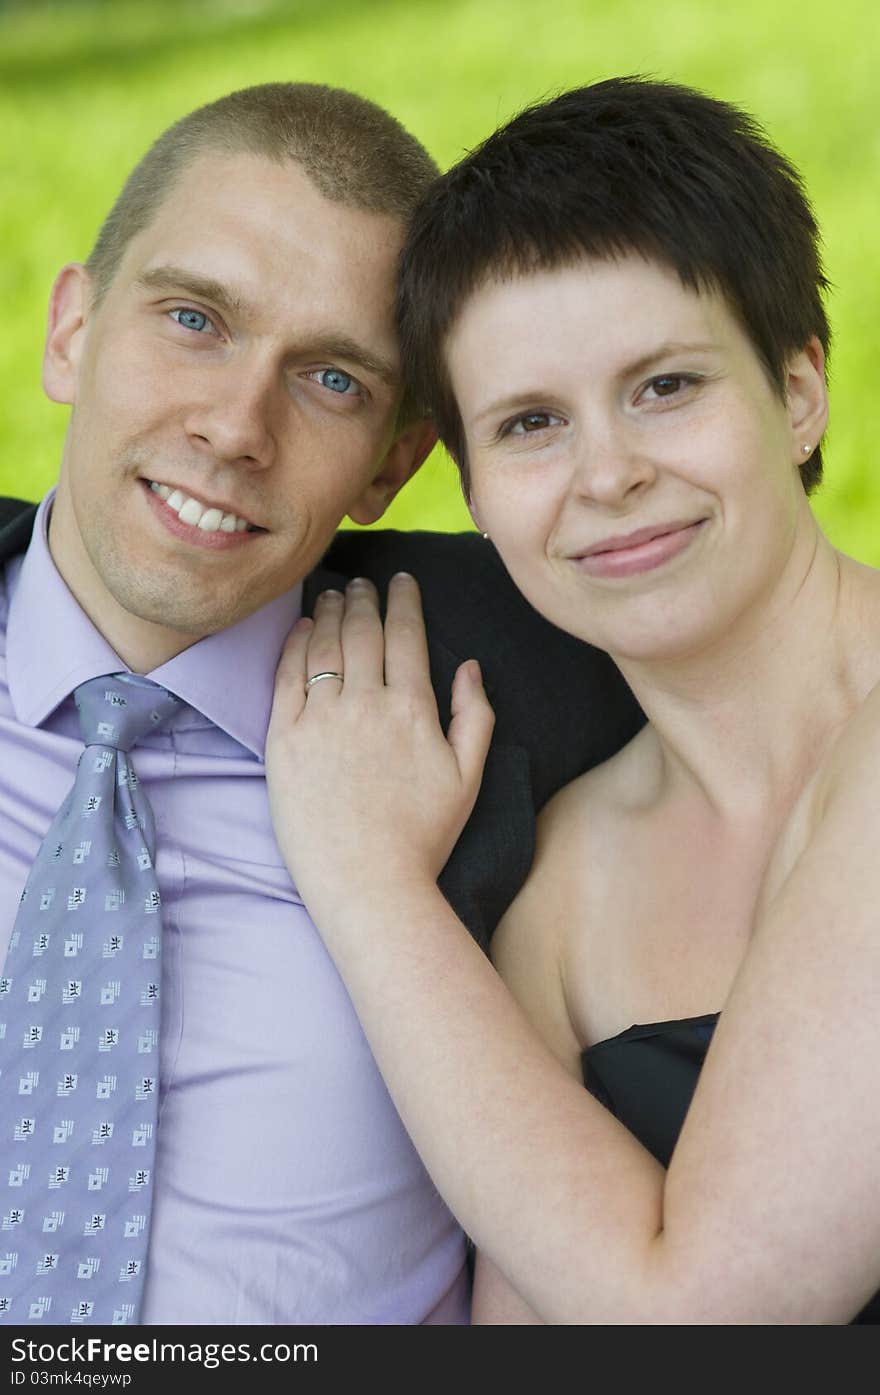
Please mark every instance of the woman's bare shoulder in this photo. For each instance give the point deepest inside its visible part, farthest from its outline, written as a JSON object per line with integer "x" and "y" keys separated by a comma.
{"x": 844, "y": 789}
{"x": 581, "y": 832}
{"x": 850, "y": 774}
{"x": 613, "y": 790}
{"x": 846, "y": 782}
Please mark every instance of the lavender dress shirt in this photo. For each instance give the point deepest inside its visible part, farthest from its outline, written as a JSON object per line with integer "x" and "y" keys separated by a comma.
{"x": 287, "y": 1190}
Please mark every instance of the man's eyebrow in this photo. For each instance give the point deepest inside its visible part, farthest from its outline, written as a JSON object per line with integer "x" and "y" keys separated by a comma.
{"x": 180, "y": 279}
{"x": 336, "y": 346}
{"x": 635, "y": 366}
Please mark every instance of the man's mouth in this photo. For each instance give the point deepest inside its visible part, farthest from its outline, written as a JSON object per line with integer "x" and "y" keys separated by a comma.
{"x": 207, "y": 517}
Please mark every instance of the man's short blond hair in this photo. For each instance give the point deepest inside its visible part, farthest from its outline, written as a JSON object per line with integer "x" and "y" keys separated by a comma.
{"x": 354, "y": 152}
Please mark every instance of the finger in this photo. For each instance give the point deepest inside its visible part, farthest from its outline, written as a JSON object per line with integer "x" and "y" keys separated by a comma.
{"x": 290, "y": 676}
{"x": 473, "y": 720}
{"x": 363, "y": 644}
{"x": 406, "y": 646}
{"x": 325, "y": 648}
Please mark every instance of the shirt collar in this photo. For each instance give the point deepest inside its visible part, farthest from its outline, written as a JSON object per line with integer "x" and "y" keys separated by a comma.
{"x": 52, "y": 646}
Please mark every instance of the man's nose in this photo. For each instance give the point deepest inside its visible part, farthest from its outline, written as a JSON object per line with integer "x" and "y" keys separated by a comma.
{"x": 235, "y": 421}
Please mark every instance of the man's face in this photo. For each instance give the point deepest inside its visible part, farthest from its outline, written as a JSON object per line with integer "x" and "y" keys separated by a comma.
{"x": 244, "y": 359}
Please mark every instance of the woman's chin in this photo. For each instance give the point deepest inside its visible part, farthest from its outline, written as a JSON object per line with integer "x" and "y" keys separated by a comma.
{"x": 652, "y": 634}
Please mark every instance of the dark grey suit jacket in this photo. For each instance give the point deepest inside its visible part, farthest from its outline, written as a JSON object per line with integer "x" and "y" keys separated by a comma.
{"x": 560, "y": 705}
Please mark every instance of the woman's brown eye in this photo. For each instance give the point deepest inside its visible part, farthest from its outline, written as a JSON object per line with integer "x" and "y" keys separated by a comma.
{"x": 665, "y": 387}
{"x": 530, "y": 422}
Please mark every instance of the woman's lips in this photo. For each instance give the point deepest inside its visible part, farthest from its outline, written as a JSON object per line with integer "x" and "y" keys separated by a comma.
{"x": 642, "y": 551}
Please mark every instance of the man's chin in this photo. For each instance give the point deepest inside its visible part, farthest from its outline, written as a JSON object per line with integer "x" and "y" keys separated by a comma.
{"x": 189, "y": 622}
{"x": 171, "y": 606}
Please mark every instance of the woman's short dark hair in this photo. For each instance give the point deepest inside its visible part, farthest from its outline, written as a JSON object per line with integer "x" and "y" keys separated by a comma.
{"x": 627, "y": 165}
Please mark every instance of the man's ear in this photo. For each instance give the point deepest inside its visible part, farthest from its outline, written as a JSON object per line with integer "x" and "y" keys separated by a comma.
{"x": 406, "y": 453}
{"x": 807, "y": 398}
{"x": 68, "y": 310}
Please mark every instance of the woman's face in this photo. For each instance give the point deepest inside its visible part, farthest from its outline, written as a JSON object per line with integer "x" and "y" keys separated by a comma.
{"x": 629, "y": 458}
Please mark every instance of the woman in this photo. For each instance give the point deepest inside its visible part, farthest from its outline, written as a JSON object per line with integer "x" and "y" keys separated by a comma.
{"x": 614, "y": 310}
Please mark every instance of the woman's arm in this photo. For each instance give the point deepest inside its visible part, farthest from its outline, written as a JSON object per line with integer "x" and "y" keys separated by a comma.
{"x": 769, "y": 1211}
{"x": 527, "y": 952}
{"x": 496, "y": 1302}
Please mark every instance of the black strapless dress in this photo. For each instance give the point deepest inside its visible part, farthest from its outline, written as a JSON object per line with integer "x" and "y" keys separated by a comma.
{"x": 647, "y": 1075}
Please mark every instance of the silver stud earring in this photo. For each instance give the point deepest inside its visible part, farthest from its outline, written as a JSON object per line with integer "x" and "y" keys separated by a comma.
{"x": 806, "y": 449}
{"x": 486, "y": 536}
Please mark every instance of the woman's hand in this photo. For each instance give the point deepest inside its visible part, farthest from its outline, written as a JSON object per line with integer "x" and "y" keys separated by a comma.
{"x": 366, "y": 792}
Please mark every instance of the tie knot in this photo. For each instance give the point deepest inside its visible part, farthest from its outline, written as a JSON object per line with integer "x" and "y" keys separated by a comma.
{"x": 117, "y": 710}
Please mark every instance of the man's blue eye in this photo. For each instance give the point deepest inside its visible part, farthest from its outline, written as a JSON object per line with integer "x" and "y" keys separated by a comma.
{"x": 190, "y": 319}
{"x": 335, "y": 380}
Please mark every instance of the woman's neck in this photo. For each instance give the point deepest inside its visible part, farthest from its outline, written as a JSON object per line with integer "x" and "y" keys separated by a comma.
{"x": 746, "y": 720}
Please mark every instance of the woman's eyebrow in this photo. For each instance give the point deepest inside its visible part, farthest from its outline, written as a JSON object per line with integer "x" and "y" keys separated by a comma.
{"x": 510, "y": 402}
{"x": 667, "y": 350}
{"x": 522, "y": 397}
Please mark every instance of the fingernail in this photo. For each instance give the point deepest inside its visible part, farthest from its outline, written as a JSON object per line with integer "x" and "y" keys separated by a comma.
{"x": 329, "y": 596}
{"x": 403, "y": 576}
{"x": 358, "y": 583}
{"x": 474, "y": 672}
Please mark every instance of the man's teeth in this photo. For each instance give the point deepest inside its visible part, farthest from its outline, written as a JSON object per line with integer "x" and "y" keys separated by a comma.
{"x": 190, "y": 511}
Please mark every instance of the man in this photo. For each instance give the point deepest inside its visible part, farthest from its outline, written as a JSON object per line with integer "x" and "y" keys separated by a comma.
{"x": 230, "y": 358}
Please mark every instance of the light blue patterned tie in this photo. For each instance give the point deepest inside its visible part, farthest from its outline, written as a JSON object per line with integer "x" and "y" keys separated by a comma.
{"x": 79, "y": 1034}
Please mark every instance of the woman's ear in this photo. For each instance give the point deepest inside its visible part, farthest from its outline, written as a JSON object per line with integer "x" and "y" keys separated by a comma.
{"x": 807, "y": 398}
{"x": 68, "y": 310}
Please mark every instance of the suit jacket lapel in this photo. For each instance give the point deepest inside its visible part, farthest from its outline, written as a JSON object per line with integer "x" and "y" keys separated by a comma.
{"x": 16, "y": 526}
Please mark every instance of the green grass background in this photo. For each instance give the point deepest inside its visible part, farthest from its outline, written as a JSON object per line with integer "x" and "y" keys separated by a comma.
{"x": 85, "y": 85}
